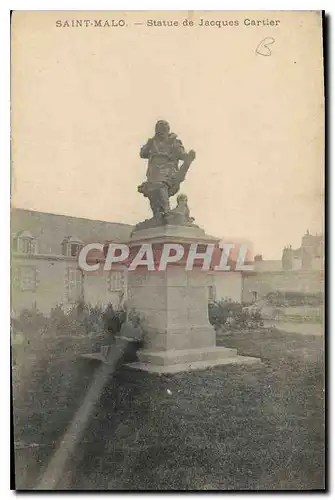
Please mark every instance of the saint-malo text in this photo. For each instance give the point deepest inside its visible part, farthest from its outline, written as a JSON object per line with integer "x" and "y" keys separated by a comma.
{"x": 90, "y": 23}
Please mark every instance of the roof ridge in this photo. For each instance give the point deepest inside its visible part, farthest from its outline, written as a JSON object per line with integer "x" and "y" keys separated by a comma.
{"x": 70, "y": 216}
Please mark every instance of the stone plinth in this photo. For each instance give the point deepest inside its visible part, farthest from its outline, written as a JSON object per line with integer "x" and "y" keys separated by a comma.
{"x": 173, "y": 305}
{"x": 178, "y": 233}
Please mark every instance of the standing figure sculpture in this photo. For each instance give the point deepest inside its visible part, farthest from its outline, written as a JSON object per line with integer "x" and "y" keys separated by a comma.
{"x": 164, "y": 152}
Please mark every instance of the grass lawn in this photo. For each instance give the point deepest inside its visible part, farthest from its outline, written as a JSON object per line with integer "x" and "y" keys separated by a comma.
{"x": 231, "y": 427}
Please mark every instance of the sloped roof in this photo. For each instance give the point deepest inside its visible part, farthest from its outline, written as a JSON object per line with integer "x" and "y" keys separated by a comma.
{"x": 51, "y": 229}
{"x": 24, "y": 234}
{"x": 72, "y": 239}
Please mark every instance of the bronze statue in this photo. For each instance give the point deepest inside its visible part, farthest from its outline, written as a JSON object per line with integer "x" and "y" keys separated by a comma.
{"x": 164, "y": 152}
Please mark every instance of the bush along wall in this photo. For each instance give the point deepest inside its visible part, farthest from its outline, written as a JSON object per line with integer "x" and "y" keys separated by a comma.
{"x": 228, "y": 315}
{"x": 292, "y": 298}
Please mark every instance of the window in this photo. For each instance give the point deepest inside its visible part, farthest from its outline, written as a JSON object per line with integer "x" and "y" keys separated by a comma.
{"x": 74, "y": 284}
{"x": 24, "y": 242}
{"x": 24, "y": 245}
{"x": 71, "y": 246}
{"x": 27, "y": 278}
{"x": 33, "y": 246}
{"x": 116, "y": 281}
{"x": 74, "y": 249}
{"x": 211, "y": 293}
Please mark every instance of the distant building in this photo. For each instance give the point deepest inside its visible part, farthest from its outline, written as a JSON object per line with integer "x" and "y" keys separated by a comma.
{"x": 300, "y": 269}
{"x": 311, "y": 253}
{"x": 44, "y": 266}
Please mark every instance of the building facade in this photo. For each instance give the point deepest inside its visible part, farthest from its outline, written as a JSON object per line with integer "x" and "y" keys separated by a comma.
{"x": 45, "y": 272}
{"x": 44, "y": 262}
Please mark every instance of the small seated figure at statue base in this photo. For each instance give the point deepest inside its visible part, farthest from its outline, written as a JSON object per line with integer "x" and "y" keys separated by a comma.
{"x": 180, "y": 215}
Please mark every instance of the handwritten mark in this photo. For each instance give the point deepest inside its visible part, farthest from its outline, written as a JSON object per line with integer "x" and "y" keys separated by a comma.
{"x": 263, "y": 48}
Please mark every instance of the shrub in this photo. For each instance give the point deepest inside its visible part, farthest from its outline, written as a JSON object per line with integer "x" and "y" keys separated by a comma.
{"x": 65, "y": 322}
{"x": 134, "y": 317}
{"x": 92, "y": 319}
{"x": 113, "y": 320}
{"x": 294, "y": 298}
{"x": 30, "y": 321}
{"x": 227, "y": 314}
{"x": 87, "y": 319}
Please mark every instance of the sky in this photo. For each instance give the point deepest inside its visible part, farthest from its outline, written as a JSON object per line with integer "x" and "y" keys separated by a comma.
{"x": 84, "y": 100}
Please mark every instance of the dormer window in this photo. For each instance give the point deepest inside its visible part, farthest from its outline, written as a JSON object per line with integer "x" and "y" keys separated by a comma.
{"x": 24, "y": 242}
{"x": 74, "y": 249}
{"x": 71, "y": 246}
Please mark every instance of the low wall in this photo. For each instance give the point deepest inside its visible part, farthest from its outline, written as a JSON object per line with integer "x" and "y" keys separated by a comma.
{"x": 261, "y": 284}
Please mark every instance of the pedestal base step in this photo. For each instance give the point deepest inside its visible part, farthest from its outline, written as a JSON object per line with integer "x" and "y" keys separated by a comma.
{"x": 180, "y": 356}
{"x": 175, "y": 361}
{"x": 196, "y": 365}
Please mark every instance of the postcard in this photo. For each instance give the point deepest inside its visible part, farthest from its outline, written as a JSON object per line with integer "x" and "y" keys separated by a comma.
{"x": 167, "y": 250}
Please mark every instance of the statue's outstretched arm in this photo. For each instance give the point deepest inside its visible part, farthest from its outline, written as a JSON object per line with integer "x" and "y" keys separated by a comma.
{"x": 181, "y": 153}
{"x": 188, "y": 159}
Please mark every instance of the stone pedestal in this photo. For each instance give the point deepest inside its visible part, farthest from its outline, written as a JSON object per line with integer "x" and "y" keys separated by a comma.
{"x": 173, "y": 305}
